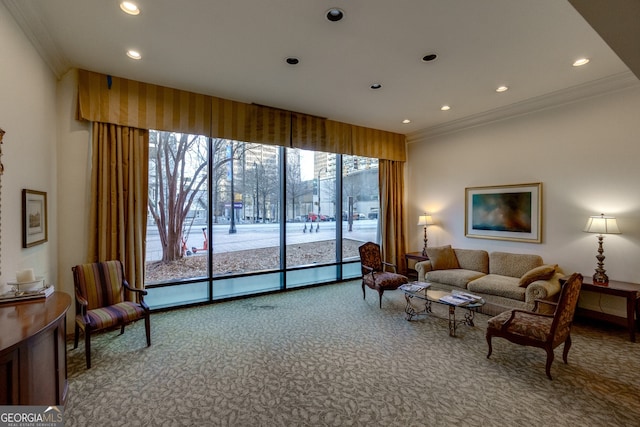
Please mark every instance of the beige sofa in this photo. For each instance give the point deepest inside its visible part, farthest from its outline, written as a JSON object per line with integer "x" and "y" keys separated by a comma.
{"x": 504, "y": 280}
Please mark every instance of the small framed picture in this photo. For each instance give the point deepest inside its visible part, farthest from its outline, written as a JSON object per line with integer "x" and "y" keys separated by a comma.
{"x": 34, "y": 218}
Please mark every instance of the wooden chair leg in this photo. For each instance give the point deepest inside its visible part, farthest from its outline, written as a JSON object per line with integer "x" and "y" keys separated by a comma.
{"x": 87, "y": 346}
{"x": 75, "y": 336}
{"x": 122, "y": 329}
{"x": 380, "y": 292}
{"x": 364, "y": 295}
{"x": 489, "y": 336}
{"x": 549, "y": 361}
{"x": 567, "y": 346}
{"x": 147, "y": 328}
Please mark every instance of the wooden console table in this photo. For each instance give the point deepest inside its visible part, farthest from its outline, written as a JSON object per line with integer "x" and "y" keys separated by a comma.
{"x": 629, "y": 291}
{"x": 33, "y": 352}
{"x": 414, "y": 257}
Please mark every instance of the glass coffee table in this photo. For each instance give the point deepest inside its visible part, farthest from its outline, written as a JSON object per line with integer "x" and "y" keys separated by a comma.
{"x": 419, "y": 293}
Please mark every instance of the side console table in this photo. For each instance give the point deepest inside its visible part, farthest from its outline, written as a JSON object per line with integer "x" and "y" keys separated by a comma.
{"x": 629, "y": 291}
{"x": 33, "y": 352}
{"x": 411, "y": 259}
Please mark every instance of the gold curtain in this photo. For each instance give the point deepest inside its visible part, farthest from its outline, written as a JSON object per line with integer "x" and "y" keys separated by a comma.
{"x": 378, "y": 144}
{"x": 266, "y": 125}
{"x": 228, "y": 119}
{"x": 391, "y": 182}
{"x": 310, "y": 133}
{"x": 119, "y": 197}
{"x": 110, "y": 99}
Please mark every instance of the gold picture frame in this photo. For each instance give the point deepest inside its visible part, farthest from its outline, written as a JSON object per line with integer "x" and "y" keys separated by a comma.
{"x": 34, "y": 218}
{"x": 504, "y": 212}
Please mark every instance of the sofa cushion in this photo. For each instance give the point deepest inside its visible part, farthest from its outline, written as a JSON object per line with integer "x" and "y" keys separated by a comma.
{"x": 454, "y": 277}
{"x": 473, "y": 259}
{"x": 512, "y": 265}
{"x": 498, "y": 285}
{"x": 544, "y": 272}
{"x": 442, "y": 258}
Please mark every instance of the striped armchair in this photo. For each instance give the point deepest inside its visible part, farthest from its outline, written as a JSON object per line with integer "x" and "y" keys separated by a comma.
{"x": 101, "y": 304}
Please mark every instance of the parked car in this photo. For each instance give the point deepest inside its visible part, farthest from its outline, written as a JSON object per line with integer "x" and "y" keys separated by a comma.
{"x": 313, "y": 217}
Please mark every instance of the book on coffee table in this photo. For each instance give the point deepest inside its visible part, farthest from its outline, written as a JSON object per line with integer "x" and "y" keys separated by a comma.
{"x": 454, "y": 299}
{"x": 467, "y": 296}
{"x": 414, "y": 286}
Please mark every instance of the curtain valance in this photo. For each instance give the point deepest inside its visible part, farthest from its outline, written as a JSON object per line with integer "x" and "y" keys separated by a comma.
{"x": 124, "y": 102}
{"x": 108, "y": 99}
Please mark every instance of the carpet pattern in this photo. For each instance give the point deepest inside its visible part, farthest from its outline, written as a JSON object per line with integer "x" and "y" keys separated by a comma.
{"x": 325, "y": 357}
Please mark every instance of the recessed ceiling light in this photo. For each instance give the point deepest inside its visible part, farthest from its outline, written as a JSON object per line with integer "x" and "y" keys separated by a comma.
{"x": 502, "y": 89}
{"x": 129, "y": 8}
{"x": 429, "y": 57}
{"x": 406, "y": 121}
{"x": 334, "y": 14}
{"x": 292, "y": 60}
{"x": 445, "y": 108}
{"x": 134, "y": 54}
{"x": 580, "y": 62}
{"x": 375, "y": 86}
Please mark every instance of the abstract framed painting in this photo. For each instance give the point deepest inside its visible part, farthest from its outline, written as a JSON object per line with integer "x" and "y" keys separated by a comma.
{"x": 504, "y": 212}
{"x": 34, "y": 218}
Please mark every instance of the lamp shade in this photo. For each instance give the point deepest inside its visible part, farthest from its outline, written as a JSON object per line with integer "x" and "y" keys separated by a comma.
{"x": 425, "y": 220}
{"x": 602, "y": 224}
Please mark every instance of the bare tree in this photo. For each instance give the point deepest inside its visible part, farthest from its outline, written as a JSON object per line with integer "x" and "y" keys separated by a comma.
{"x": 178, "y": 165}
{"x": 178, "y": 162}
{"x": 295, "y": 187}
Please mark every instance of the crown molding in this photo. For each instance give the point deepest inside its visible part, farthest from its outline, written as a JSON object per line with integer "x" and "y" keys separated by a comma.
{"x": 27, "y": 18}
{"x": 609, "y": 84}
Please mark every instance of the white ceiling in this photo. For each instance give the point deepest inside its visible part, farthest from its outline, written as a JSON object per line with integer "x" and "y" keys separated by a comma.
{"x": 236, "y": 49}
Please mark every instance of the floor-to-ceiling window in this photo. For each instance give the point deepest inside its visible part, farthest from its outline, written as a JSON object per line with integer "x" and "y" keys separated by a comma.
{"x": 229, "y": 218}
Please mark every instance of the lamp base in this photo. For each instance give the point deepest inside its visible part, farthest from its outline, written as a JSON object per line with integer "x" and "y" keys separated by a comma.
{"x": 424, "y": 248}
{"x": 600, "y": 279}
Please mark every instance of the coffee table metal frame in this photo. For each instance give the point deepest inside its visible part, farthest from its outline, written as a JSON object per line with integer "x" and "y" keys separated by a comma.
{"x": 430, "y": 296}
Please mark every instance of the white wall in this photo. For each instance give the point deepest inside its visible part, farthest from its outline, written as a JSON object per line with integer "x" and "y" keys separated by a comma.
{"x": 586, "y": 156}
{"x": 74, "y": 183}
{"x": 28, "y": 115}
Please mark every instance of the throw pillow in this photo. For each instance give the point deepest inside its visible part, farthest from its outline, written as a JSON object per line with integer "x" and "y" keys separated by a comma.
{"x": 442, "y": 258}
{"x": 544, "y": 272}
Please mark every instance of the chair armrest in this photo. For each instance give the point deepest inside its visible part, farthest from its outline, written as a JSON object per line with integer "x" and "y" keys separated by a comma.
{"x": 506, "y": 324}
{"x": 543, "y": 301}
{"x": 140, "y": 293}
{"x": 82, "y": 304}
{"x": 81, "y": 300}
{"x": 388, "y": 264}
{"x": 129, "y": 288}
{"x": 369, "y": 269}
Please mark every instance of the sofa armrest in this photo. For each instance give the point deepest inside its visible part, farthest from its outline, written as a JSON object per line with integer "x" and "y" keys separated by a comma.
{"x": 543, "y": 289}
{"x": 422, "y": 267}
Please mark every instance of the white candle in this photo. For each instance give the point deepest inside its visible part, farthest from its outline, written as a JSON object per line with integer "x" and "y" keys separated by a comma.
{"x": 25, "y": 276}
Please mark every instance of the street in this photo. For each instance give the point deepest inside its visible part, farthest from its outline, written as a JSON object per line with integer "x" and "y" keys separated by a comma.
{"x": 251, "y": 236}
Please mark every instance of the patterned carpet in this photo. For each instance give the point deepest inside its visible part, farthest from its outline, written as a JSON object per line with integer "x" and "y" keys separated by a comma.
{"x": 325, "y": 357}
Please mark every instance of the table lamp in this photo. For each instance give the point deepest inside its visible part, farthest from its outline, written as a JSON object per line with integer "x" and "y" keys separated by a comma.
{"x": 601, "y": 224}
{"x": 425, "y": 220}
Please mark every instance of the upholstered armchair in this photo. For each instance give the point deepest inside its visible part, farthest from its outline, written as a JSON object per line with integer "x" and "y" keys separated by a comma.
{"x": 374, "y": 273}
{"x": 101, "y": 304}
{"x": 533, "y": 328}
